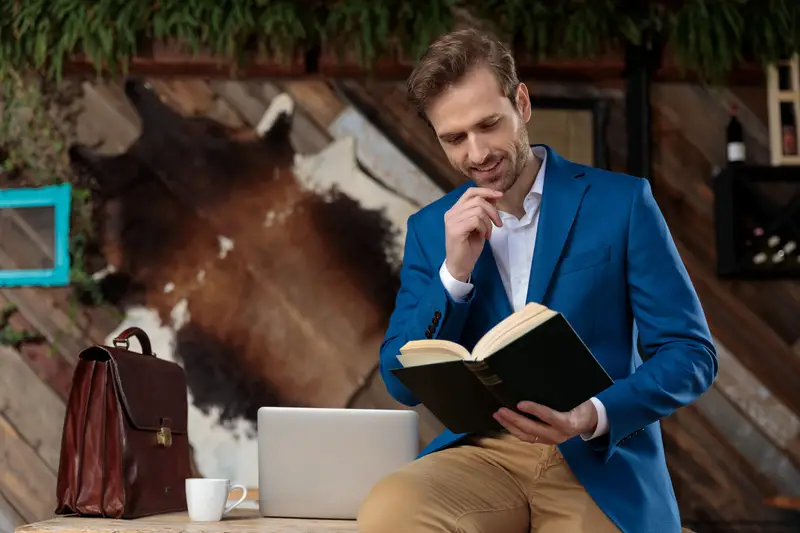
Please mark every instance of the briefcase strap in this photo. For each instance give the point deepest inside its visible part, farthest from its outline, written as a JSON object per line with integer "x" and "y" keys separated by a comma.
{"x": 122, "y": 340}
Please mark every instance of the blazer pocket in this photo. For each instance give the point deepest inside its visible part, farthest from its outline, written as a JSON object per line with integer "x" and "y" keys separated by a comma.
{"x": 583, "y": 260}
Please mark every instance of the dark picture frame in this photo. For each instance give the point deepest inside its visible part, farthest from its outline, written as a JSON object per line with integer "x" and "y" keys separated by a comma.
{"x": 599, "y": 108}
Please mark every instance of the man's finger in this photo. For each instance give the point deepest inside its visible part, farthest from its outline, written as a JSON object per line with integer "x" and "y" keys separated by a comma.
{"x": 527, "y": 425}
{"x": 536, "y": 433}
{"x": 491, "y": 210}
{"x": 476, "y": 221}
{"x": 482, "y": 192}
{"x": 483, "y": 209}
{"x": 475, "y": 211}
{"x": 545, "y": 414}
{"x": 514, "y": 430}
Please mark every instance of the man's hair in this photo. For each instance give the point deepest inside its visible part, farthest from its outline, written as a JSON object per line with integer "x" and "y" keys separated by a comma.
{"x": 451, "y": 56}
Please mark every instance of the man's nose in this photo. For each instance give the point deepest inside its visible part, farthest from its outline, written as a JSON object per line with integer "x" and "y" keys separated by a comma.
{"x": 478, "y": 151}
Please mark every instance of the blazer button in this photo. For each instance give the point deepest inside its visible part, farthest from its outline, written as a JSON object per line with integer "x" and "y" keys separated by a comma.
{"x": 435, "y": 320}
{"x": 437, "y": 315}
{"x": 428, "y": 334}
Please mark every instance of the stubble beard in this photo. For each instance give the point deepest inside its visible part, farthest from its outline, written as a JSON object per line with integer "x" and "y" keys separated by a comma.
{"x": 517, "y": 163}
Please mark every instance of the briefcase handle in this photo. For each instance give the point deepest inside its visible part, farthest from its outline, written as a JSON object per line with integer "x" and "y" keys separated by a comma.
{"x": 121, "y": 340}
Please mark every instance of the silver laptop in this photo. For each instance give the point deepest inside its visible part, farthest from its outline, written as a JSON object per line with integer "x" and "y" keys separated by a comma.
{"x": 321, "y": 463}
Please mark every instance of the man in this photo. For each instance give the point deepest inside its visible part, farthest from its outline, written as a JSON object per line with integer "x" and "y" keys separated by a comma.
{"x": 592, "y": 244}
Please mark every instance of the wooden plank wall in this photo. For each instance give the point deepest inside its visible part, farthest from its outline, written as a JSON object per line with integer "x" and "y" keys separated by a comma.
{"x": 64, "y": 328}
{"x": 737, "y": 445}
{"x": 35, "y": 379}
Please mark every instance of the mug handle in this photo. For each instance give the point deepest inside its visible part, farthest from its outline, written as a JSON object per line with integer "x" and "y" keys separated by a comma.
{"x": 229, "y": 508}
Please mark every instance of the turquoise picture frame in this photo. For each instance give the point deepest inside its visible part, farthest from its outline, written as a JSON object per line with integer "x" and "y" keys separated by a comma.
{"x": 60, "y": 198}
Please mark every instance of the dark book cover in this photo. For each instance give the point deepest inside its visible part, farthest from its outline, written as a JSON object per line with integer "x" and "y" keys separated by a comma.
{"x": 549, "y": 365}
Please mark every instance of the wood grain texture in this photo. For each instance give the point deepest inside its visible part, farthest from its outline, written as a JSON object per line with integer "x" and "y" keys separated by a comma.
{"x": 383, "y": 160}
{"x": 9, "y": 517}
{"x": 318, "y": 100}
{"x": 26, "y": 481}
{"x": 306, "y": 137}
{"x": 106, "y": 121}
{"x": 783, "y": 502}
{"x": 238, "y": 521}
{"x": 385, "y": 105}
{"x": 690, "y": 145}
{"x": 779, "y": 424}
{"x": 48, "y": 320}
{"x": 750, "y": 419}
{"x": 67, "y": 327}
{"x": 239, "y": 96}
{"x": 754, "y": 446}
{"x": 742, "y": 330}
{"x": 49, "y": 365}
{"x": 718, "y": 475}
{"x": 33, "y": 408}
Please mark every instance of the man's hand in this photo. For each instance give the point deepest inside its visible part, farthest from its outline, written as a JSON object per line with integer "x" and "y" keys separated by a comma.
{"x": 555, "y": 428}
{"x": 467, "y": 226}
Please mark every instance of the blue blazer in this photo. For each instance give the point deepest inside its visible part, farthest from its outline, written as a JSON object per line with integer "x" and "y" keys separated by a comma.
{"x": 605, "y": 258}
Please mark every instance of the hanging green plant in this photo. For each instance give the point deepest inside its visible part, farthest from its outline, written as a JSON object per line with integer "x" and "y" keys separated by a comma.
{"x": 707, "y": 37}
{"x": 35, "y": 154}
{"x": 39, "y": 37}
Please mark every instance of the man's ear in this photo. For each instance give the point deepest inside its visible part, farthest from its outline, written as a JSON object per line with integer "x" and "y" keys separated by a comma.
{"x": 523, "y": 102}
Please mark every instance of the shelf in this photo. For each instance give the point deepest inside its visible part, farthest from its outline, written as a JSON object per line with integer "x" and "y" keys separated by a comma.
{"x": 788, "y": 96}
{"x": 790, "y": 160}
{"x": 757, "y": 219}
{"x": 783, "y": 104}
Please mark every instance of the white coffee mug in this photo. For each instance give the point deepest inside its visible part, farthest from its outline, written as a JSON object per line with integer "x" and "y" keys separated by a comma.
{"x": 206, "y": 498}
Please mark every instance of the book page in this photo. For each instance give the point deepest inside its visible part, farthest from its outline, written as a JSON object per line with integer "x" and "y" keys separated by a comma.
{"x": 511, "y": 328}
{"x": 430, "y": 351}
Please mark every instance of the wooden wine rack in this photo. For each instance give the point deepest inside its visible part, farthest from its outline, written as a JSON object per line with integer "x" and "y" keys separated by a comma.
{"x": 757, "y": 219}
{"x": 777, "y": 95}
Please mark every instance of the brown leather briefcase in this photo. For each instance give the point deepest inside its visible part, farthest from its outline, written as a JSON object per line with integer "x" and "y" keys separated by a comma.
{"x": 125, "y": 447}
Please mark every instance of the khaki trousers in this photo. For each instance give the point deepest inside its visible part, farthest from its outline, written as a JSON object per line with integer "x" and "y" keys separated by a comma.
{"x": 491, "y": 484}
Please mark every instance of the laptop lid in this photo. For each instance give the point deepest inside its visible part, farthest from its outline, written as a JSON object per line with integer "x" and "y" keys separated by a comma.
{"x": 321, "y": 463}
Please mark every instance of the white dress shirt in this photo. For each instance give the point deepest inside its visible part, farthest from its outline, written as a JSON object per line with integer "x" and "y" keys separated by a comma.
{"x": 512, "y": 247}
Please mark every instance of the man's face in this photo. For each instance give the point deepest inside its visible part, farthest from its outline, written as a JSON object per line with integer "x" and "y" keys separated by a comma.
{"x": 482, "y": 133}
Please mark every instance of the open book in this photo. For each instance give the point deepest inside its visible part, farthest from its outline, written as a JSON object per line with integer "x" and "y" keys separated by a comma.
{"x": 533, "y": 354}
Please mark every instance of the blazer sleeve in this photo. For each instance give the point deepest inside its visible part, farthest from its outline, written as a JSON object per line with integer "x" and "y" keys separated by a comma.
{"x": 672, "y": 328}
{"x": 423, "y": 309}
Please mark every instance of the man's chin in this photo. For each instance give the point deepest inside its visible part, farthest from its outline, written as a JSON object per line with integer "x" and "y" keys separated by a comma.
{"x": 495, "y": 180}
{"x": 495, "y": 183}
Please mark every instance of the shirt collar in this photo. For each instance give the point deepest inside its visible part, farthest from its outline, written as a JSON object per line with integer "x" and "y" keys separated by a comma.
{"x": 538, "y": 183}
{"x": 534, "y": 196}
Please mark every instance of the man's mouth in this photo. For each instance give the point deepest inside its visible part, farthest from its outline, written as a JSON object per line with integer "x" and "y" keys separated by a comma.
{"x": 488, "y": 168}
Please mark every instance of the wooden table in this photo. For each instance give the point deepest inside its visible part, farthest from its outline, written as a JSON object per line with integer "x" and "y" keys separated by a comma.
{"x": 237, "y": 521}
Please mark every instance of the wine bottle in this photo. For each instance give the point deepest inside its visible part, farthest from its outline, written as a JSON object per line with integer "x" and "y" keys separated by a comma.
{"x": 734, "y": 137}
{"x": 785, "y": 252}
{"x": 760, "y": 256}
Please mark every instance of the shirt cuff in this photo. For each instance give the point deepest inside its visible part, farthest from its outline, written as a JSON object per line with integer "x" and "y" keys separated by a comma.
{"x": 458, "y": 290}
{"x": 602, "y": 421}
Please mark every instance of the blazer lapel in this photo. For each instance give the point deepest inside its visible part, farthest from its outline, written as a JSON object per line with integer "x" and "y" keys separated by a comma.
{"x": 561, "y": 199}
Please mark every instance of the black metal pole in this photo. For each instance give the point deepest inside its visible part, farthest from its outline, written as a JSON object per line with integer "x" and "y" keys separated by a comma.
{"x": 640, "y": 63}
